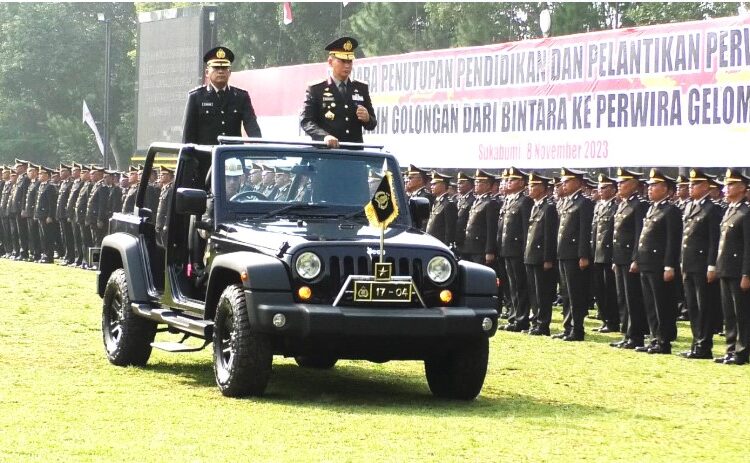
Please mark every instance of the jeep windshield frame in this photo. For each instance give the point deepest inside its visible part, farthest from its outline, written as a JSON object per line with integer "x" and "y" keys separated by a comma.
{"x": 310, "y": 183}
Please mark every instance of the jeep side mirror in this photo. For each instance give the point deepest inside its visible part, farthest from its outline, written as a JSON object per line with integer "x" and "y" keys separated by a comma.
{"x": 191, "y": 201}
{"x": 419, "y": 208}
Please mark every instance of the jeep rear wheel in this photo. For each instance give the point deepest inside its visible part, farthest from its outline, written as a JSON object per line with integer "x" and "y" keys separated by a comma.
{"x": 319, "y": 362}
{"x": 242, "y": 358}
{"x": 458, "y": 374}
{"x": 127, "y": 337}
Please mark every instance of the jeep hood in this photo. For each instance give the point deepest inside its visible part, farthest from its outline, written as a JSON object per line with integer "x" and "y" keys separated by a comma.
{"x": 288, "y": 235}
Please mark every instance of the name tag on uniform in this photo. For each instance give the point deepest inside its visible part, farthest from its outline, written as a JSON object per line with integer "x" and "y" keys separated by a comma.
{"x": 357, "y": 97}
{"x": 207, "y": 103}
{"x": 328, "y": 98}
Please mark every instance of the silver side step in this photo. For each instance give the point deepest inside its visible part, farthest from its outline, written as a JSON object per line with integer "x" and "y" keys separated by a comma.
{"x": 193, "y": 326}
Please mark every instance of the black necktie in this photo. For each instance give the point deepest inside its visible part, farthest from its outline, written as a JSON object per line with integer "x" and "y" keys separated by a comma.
{"x": 342, "y": 88}
{"x": 222, "y": 94}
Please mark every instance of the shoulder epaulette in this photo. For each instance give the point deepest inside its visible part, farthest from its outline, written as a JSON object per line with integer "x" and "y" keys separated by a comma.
{"x": 196, "y": 89}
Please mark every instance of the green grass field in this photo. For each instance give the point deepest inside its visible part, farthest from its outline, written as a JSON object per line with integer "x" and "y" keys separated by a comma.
{"x": 60, "y": 400}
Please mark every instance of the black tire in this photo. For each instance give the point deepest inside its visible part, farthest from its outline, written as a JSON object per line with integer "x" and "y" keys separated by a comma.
{"x": 127, "y": 336}
{"x": 242, "y": 358}
{"x": 319, "y": 362}
{"x": 459, "y": 374}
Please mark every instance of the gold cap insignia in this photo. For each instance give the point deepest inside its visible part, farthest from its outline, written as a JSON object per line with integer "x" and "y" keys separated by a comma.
{"x": 601, "y": 178}
{"x": 729, "y": 173}
{"x": 220, "y": 53}
{"x": 348, "y": 46}
{"x": 693, "y": 173}
{"x": 652, "y": 173}
{"x": 619, "y": 171}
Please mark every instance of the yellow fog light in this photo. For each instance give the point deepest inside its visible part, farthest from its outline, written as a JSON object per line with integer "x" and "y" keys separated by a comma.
{"x": 304, "y": 293}
{"x": 446, "y": 296}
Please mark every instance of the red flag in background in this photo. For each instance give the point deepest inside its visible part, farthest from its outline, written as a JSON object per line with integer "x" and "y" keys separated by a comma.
{"x": 287, "y": 13}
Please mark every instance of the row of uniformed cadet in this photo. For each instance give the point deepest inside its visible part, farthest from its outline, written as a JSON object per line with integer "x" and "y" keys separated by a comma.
{"x": 640, "y": 258}
{"x": 63, "y": 212}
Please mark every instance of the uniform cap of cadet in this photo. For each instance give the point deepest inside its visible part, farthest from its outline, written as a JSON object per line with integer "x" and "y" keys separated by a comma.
{"x": 46, "y": 170}
{"x": 219, "y": 57}
{"x": 133, "y": 169}
{"x": 233, "y": 168}
{"x": 21, "y": 162}
{"x": 266, "y": 168}
{"x": 590, "y": 183}
{"x": 98, "y": 169}
{"x": 414, "y": 170}
{"x": 536, "y": 179}
{"x": 111, "y": 172}
{"x": 165, "y": 169}
{"x": 461, "y": 177}
{"x": 624, "y": 175}
{"x": 255, "y": 168}
{"x": 656, "y": 176}
{"x": 65, "y": 166}
{"x": 342, "y": 48}
{"x": 682, "y": 180}
{"x": 697, "y": 175}
{"x": 482, "y": 175}
{"x": 734, "y": 176}
{"x": 513, "y": 172}
{"x": 568, "y": 174}
{"x": 84, "y": 168}
{"x": 281, "y": 170}
{"x": 437, "y": 177}
{"x": 604, "y": 180}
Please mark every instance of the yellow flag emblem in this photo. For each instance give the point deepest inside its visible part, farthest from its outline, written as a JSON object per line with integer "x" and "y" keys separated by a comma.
{"x": 383, "y": 207}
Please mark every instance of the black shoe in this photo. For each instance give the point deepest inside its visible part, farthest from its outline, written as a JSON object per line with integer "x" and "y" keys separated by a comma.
{"x": 618, "y": 343}
{"x": 609, "y": 329}
{"x": 736, "y": 361}
{"x": 696, "y": 354}
{"x": 539, "y": 331}
{"x": 573, "y": 337}
{"x": 631, "y": 344}
{"x": 723, "y": 359}
{"x": 643, "y": 348}
{"x": 516, "y": 328}
{"x": 662, "y": 348}
{"x": 560, "y": 335}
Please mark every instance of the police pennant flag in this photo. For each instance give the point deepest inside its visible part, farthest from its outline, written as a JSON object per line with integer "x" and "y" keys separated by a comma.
{"x": 383, "y": 207}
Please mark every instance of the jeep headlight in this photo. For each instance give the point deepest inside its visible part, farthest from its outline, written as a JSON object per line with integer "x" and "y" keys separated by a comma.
{"x": 439, "y": 269}
{"x": 308, "y": 265}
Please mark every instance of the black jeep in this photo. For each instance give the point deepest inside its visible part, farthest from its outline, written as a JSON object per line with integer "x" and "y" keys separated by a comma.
{"x": 288, "y": 269}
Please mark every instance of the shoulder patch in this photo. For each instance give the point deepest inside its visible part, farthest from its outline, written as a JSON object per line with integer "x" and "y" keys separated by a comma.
{"x": 357, "y": 81}
{"x": 196, "y": 89}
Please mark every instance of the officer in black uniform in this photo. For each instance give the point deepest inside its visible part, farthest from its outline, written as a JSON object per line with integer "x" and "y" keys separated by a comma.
{"x": 4, "y": 225}
{"x": 218, "y": 108}
{"x": 480, "y": 244}
{"x": 283, "y": 182}
{"x": 165, "y": 196}
{"x": 268, "y": 186}
{"x": 442, "y": 222}
{"x": 70, "y": 211}
{"x": 574, "y": 253}
{"x": 418, "y": 186}
{"x": 464, "y": 201}
{"x": 67, "y": 178}
{"x": 733, "y": 269}
{"x": 681, "y": 199}
{"x": 512, "y": 229}
{"x": 700, "y": 243}
{"x": 35, "y": 251}
{"x": 656, "y": 258}
{"x": 114, "y": 202}
{"x": 128, "y": 202}
{"x": 97, "y": 204}
{"x": 19, "y": 225}
{"x": 338, "y": 108}
{"x": 627, "y": 227}
{"x": 44, "y": 214}
{"x": 540, "y": 254}
{"x": 84, "y": 231}
{"x": 602, "y": 230}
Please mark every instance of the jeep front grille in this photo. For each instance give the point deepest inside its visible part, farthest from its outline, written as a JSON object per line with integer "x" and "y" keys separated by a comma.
{"x": 340, "y": 268}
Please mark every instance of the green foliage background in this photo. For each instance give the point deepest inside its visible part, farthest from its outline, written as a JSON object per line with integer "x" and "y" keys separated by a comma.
{"x": 52, "y": 54}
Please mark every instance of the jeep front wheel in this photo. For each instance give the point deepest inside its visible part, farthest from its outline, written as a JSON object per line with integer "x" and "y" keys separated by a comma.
{"x": 242, "y": 358}
{"x": 458, "y": 374}
{"x": 127, "y": 337}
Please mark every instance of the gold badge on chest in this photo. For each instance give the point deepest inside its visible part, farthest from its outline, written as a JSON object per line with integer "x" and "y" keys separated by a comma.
{"x": 330, "y": 115}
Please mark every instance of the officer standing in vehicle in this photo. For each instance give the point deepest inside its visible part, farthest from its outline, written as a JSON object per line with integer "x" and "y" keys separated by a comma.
{"x": 338, "y": 108}
{"x": 218, "y": 108}
{"x": 442, "y": 221}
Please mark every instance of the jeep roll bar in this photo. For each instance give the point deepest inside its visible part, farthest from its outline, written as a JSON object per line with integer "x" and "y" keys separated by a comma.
{"x": 227, "y": 140}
